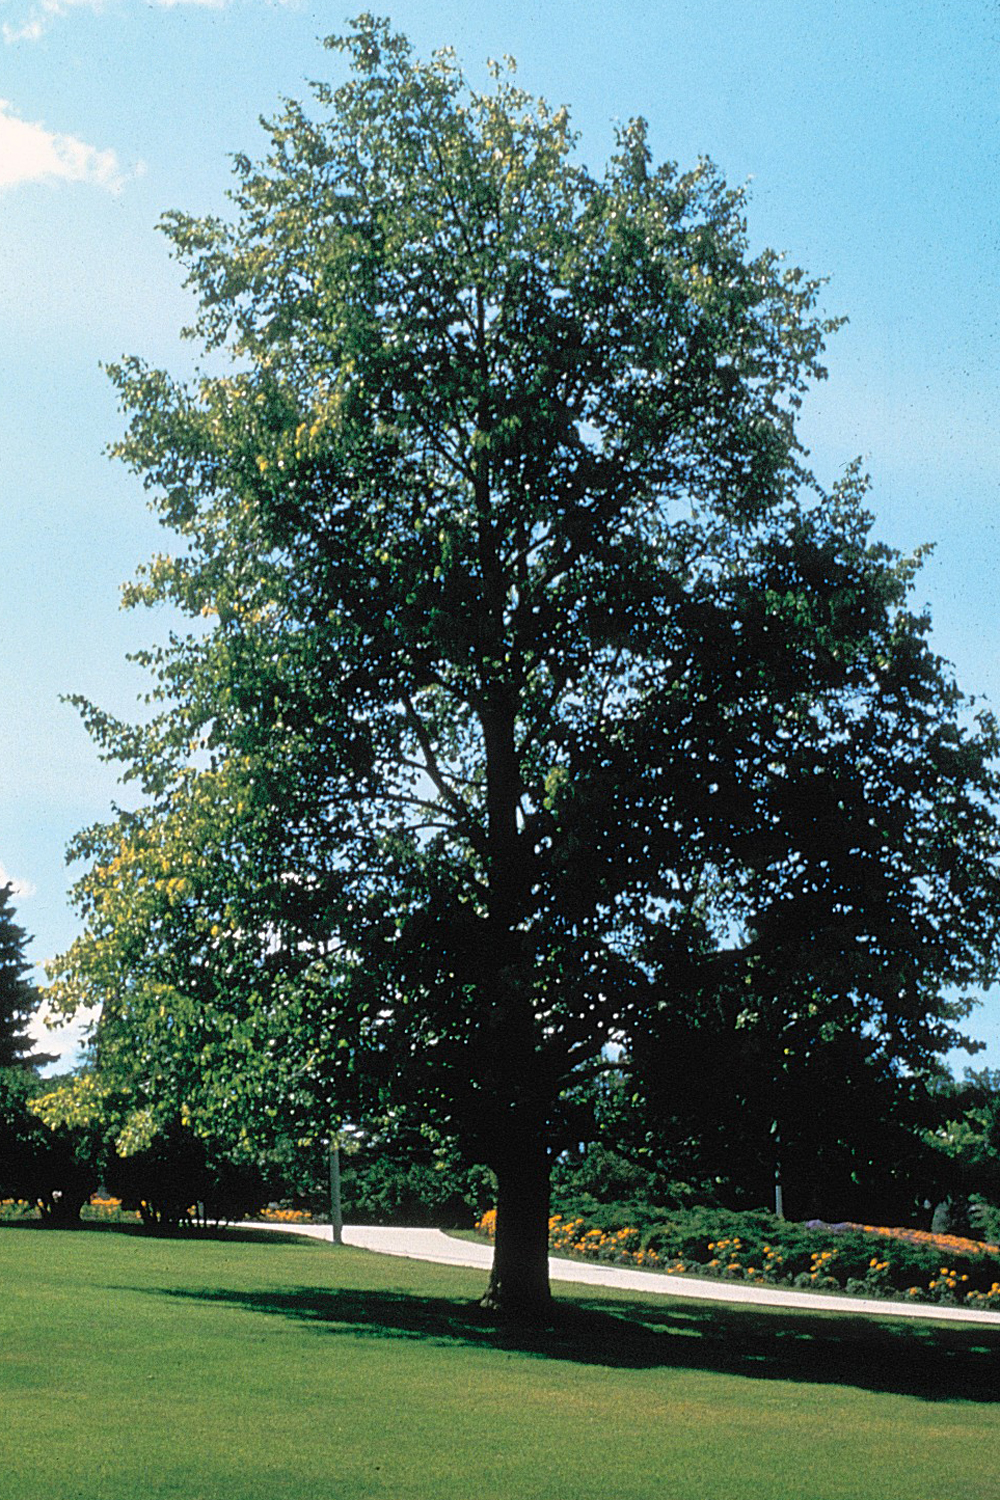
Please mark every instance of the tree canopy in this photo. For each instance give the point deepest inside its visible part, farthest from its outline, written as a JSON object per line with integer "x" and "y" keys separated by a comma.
{"x": 536, "y": 693}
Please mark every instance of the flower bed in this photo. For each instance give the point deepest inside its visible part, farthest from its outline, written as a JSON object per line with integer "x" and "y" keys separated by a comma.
{"x": 99, "y": 1210}
{"x": 12, "y": 1209}
{"x": 278, "y": 1215}
{"x": 757, "y": 1247}
{"x": 946, "y": 1242}
{"x": 104, "y": 1210}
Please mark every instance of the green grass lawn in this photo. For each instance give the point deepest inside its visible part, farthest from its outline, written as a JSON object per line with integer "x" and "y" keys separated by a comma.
{"x": 134, "y": 1368}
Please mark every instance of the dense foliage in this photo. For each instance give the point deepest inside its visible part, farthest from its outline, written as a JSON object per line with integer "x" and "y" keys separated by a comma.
{"x": 718, "y": 1118}
{"x": 537, "y": 697}
{"x": 54, "y": 1169}
{"x": 154, "y": 1164}
{"x": 412, "y": 1181}
{"x": 966, "y": 1142}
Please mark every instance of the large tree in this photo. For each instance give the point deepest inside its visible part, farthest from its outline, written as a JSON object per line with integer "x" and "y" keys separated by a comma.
{"x": 536, "y": 688}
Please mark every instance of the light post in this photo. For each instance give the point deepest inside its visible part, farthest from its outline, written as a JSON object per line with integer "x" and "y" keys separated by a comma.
{"x": 336, "y": 1213}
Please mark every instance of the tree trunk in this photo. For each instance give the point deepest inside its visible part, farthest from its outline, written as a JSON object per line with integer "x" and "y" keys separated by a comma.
{"x": 519, "y": 1281}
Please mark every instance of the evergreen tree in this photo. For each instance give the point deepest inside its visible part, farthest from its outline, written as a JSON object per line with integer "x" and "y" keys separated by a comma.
{"x": 18, "y": 997}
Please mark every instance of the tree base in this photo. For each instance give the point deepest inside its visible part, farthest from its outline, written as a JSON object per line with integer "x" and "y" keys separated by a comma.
{"x": 524, "y": 1312}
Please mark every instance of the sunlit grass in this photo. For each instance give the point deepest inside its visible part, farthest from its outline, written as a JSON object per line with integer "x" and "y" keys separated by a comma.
{"x": 257, "y": 1369}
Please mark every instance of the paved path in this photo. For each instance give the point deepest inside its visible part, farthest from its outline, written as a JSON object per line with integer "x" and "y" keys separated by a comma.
{"x": 433, "y": 1245}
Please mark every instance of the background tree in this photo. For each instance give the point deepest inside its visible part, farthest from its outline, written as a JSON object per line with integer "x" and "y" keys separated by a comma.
{"x": 835, "y": 1122}
{"x": 966, "y": 1141}
{"x": 55, "y": 1168}
{"x": 537, "y": 689}
{"x": 18, "y": 996}
{"x": 152, "y": 1159}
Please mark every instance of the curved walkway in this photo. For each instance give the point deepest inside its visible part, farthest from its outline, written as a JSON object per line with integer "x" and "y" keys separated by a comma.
{"x": 433, "y": 1245}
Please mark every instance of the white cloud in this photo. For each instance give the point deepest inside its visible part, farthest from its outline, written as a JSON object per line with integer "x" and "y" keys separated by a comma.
{"x": 42, "y": 16}
{"x": 22, "y": 888}
{"x": 30, "y": 32}
{"x": 30, "y": 153}
{"x": 60, "y": 1038}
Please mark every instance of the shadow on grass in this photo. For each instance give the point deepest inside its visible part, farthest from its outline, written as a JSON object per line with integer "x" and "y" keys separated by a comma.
{"x": 229, "y": 1234}
{"x": 931, "y": 1362}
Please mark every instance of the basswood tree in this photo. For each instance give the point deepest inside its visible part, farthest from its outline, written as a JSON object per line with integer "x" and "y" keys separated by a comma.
{"x": 535, "y": 686}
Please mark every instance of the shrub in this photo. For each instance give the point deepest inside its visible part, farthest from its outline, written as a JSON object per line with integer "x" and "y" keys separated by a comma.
{"x": 863, "y": 1260}
{"x": 422, "y": 1186}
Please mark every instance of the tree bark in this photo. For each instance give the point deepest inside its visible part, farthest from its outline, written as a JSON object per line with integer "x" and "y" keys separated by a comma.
{"x": 519, "y": 1281}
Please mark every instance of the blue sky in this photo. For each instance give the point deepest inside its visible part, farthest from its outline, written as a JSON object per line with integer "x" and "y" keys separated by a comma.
{"x": 870, "y": 133}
